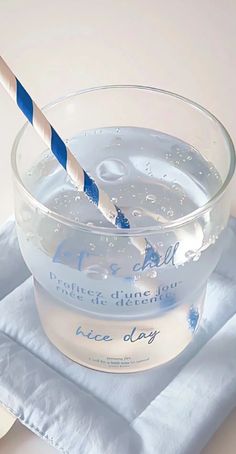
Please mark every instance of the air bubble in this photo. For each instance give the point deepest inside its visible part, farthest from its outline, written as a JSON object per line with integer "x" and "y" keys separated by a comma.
{"x": 197, "y": 256}
{"x": 111, "y": 244}
{"x": 77, "y": 197}
{"x": 189, "y": 158}
{"x": 137, "y": 213}
{"x": 152, "y": 273}
{"x": 92, "y": 246}
{"x": 170, "y": 213}
{"x": 118, "y": 141}
{"x": 151, "y": 198}
{"x": 114, "y": 199}
{"x": 97, "y": 272}
{"x": 111, "y": 170}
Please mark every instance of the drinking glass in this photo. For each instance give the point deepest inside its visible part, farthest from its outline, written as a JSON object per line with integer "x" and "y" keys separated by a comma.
{"x": 101, "y": 302}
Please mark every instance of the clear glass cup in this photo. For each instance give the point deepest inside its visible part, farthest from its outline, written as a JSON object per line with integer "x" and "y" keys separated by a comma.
{"x": 100, "y": 301}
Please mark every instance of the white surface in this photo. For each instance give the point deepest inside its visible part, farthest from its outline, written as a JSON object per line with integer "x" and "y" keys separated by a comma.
{"x": 184, "y": 46}
{"x": 6, "y": 421}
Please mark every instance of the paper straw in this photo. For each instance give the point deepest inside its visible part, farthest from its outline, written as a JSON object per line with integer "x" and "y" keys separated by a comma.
{"x": 83, "y": 182}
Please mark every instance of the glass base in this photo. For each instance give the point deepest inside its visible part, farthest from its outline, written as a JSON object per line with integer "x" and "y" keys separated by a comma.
{"x": 117, "y": 345}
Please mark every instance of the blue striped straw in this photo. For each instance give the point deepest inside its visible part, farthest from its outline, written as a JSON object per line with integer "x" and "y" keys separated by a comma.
{"x": 78, "y": 175}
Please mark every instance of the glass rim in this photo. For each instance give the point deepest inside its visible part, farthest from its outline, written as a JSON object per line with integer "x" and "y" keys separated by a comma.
{"x": 134, "y": 231}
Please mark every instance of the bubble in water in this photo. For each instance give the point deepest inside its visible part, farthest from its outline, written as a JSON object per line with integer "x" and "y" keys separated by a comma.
{"x": 189, "y": 158}
{"x": 137, "y": 213}
{"x": 111, "y": 170}
{"x": 197, "y": 256}
{"x": 29, "y": 173}
{"x": 97, "y": 272}
{"x": 92, "y": 246}
{"x": 118, "y": 130}
{"x": 200, "y": 173}
{"x": 90, "y": 223}
{"x": 76, "y": 219}
{"x": 170, "y": 213}
{"x": 151, "y": 198}
{"x": 111, "y": 244}
{"x": 114, "y": 199}
{"x": 77, "y": 197}
{"x": 118, "y": 141}
{"x": 152, "y": 273}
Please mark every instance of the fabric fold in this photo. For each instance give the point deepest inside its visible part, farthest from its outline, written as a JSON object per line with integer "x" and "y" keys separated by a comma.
{"x": 173, "y": 409}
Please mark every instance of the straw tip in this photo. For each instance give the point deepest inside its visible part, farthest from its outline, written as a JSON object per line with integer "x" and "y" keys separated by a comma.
{"x": 121, "y": 220}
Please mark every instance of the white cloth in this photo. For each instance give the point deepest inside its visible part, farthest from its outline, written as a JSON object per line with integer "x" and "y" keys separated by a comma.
{"x": 173, "y": 409}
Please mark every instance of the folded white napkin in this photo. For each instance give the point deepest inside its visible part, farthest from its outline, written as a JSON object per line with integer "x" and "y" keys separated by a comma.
{"x": 173, "y": 409}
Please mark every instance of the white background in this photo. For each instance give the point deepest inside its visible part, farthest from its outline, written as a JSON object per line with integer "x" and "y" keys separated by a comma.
{"x": 186, "y": 46}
